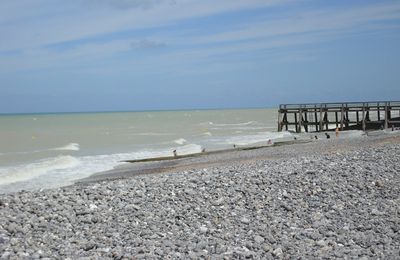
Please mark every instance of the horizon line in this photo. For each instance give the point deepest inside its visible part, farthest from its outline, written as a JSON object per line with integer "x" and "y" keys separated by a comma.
{"x": 132, "y": 111}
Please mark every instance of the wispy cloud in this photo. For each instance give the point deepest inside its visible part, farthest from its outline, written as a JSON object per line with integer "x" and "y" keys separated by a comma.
{"x": 124, "y": 4}
{"x": 70, "y": 22}
{"x": 118, "y": 30}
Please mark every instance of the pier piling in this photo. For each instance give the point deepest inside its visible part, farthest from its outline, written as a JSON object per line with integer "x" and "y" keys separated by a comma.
{"x": 318, "y": 117}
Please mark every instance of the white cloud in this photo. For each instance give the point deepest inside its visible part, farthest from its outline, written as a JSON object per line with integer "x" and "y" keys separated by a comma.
{"x": 68, "y": 21}
{"x": 184, "y": 48}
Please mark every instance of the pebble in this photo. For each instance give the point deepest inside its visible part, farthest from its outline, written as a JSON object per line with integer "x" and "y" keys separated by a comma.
{"x": 259, "y": 239}
{"x": 335, "y": 206}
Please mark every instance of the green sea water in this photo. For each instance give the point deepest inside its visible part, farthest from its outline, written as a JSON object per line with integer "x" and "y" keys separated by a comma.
{"x": 50, "y": 150}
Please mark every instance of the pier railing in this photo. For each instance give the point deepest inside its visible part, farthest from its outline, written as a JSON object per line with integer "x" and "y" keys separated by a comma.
{"x": 317, "y": 117}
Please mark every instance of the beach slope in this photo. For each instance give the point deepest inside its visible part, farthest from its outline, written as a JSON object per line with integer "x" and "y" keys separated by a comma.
{"x": 326, "y": 199}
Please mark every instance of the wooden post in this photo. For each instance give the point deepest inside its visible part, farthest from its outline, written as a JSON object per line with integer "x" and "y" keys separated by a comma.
{"x": 321, "y": 126}
{"x": 300, "y": 119}
{"x": 285, "y": 121}
{"x": 379, "y": 113}
{"x": 306, "y": 121}
{"x": 295, "y": 121}
{"x": 363, "y": 117}
{"x": 386, "y": 115}
{"x": 280, "y": 120}
{"x": 336, "y": 119}
{"x": 347, "y": 116}
{"x": 341, "y": 118}
{"x": 357, "y": 118}
{"x": 326, "y": 119}
{"x": 316, "y": 118}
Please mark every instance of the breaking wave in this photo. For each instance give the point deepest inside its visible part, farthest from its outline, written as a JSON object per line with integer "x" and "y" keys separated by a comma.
{"x": 36, "y": 169}
{"x": 68, "y": 147}
{"x": 180, "y": 141}
{"x": 230, "y": 124}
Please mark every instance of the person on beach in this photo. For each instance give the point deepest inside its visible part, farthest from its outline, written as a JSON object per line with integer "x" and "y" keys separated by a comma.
{"x": 316, "y": 137}
{"x": 337, "y": 131}
{"x": 175, "y": 153}
{"x": 327, "y": 136}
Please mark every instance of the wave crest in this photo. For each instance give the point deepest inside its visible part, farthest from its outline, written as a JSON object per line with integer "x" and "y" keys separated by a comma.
{"x": 180, "y": 141}
{"x": 68, "y": 147}
{"x": 29, "y": 171}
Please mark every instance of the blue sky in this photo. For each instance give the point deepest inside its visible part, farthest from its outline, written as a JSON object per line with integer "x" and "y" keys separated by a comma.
{"x": 97, "y": 55}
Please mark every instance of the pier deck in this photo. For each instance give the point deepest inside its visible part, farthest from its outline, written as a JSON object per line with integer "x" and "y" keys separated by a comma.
{"x": 318, "y": 117}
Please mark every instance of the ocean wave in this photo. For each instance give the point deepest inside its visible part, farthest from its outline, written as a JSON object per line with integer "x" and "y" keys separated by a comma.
{"x": 189, "y": 149}
{"x": 230, "y": 124}
{"x": 68, "y": 147}
{"x": 64, "y": 170}
{"x": 245, "y": 128}
{"x": 150, "y": 134}
{"x": 180, "y": 141}
{"x": 32, "y": 170}
{"x": 257, "y": 138}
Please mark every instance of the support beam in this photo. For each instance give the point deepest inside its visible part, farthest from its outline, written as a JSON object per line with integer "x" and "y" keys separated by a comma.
{"x": 341, "y": 118}
{"x": 379, "y": 113}
{"x": 336, "y": 119}
{"x": 357, "y": 118}
{"x": 321, "y": 127}
{"x": 280, "y": 121}
{"x": 386, "y": 115}
{"x": 363, "y": 117}
{"x": 306, "y": 122}
{"x": 316, "y": 118}
{"x": 300, "y": 119}
{"x": 326, "y": 121}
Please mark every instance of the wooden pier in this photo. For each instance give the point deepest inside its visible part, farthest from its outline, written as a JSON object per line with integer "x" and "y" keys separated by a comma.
{"x": 318, "y": 117}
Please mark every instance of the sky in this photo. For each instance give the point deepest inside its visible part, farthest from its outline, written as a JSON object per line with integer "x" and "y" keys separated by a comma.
{"x": 123, "y": 55}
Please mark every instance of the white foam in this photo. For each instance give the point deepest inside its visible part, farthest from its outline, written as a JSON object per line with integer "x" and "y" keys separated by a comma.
{"x": 257, "y": 138}
{"x": 189, "y": 149}
{"x": 68, "y": 147}
{"x": 233, "y": 124}
{"x": 64, "y": 170}
{"x": 151, "y": 134}
{"x": 206, "y": 134}
{"x": 28, "y": 171}
{"x": 180, "y": 141}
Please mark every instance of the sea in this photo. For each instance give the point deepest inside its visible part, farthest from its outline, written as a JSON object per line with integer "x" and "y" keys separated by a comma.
{"x": 40, "y": 151}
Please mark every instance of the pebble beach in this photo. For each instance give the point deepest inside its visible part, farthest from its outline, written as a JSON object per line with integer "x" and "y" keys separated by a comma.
{"x": 337, "y": 198}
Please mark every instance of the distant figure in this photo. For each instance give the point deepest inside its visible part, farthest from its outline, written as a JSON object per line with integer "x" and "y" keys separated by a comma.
{"x": 295, "y": 138}
{"x": 269, "y": 141}
{"x": 234, "y": 146}
{"x": 316, "y": 137}
{"x": 203, "y": 150}
{"x": 327, "y": 136}
{"x": 175, "y": 153}
{"x": 337, "y": 131}
{"x": 392, "y": 127}
{"x": 381, "y": 127}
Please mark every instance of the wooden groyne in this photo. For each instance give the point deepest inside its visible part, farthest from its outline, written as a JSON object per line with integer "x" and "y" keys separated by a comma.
{"x": 318, "y": 117}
